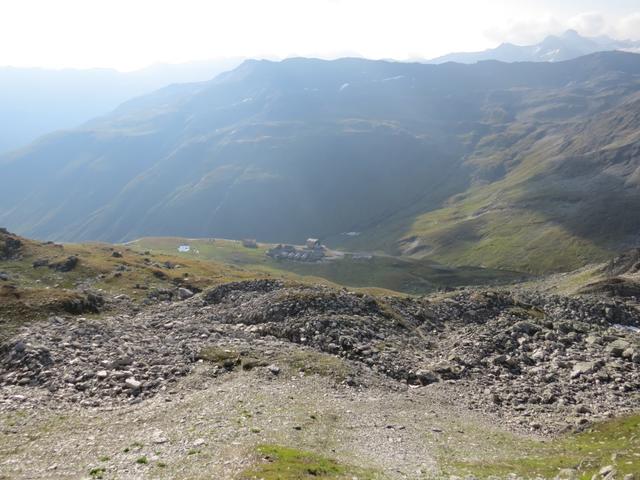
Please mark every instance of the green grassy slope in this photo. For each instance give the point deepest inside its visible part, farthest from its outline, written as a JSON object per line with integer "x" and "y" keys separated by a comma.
{"x": 32, "y": 293}
{"x": 546, "y": 198}
{"x": 613, "y": 443}
{"x": 414, "y": 276}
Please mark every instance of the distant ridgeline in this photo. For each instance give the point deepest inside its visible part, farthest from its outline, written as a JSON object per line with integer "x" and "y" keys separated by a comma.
{"x": 523, "y": 166}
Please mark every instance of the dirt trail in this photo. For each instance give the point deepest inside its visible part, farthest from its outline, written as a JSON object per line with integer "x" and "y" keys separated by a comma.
{"x": 207, "y": 427}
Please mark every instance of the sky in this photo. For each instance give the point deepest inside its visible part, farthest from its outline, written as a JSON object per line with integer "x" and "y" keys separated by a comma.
{"x": 131, "y": 34}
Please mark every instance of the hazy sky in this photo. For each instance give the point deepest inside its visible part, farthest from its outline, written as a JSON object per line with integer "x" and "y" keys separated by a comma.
{"x": 130, "y": 34}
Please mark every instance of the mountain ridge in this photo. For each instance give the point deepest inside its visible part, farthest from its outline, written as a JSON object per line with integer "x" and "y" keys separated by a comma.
{"x": 36, "y": 101}
{"x": 280, "y": 151}
{"x": 553, "y": 48}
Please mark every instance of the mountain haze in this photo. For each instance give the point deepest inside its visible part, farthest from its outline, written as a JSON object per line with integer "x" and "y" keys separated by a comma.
{"x": 554, "y": 48}
{"x": 488, "y": 164}
{"x": 36, "y": 101}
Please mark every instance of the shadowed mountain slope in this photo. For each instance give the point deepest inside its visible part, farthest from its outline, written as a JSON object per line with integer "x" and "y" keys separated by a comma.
{"x": 491, "y": 163}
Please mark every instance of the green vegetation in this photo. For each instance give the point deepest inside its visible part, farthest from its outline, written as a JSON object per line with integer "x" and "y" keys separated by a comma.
{"x": 316, "y": 363}
{"x": 615, "y": 442}
{"x": 514, "y": 174}
{"x": 504, "y": 239}
{"x": 250, "y": 363}
{"x": 97, "y": 472}
{"x": 142, "y": 460}
{"x": 537, "y": 217}
{"x": 219, "y": 356}
{"x": 33, "y": 293}
{"x": 380, "y": 273}
{"x": 283, "y": 463}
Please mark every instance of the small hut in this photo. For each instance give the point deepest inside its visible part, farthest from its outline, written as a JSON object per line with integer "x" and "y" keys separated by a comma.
{"x": 249, "y": 243}
{"x": 313, "y": 243}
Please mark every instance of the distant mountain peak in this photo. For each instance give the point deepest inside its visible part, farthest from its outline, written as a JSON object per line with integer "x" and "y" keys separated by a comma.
{"x": 571, "y": 34}
{"x": 553, "y": 48}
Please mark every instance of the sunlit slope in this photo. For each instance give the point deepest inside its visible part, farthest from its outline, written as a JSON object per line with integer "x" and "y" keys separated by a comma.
{"x": 391, "y": 274}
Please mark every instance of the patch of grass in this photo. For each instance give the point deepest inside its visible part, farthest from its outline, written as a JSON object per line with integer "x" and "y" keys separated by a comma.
{"x": 283, "y": 463}
{"x": 104, "y": 458}
{"x": 97, "y": 472}
{"x": 219, "y": 356}
{"x": 142, "y": 460}
{"x": 246, "y": 413}
{"x": 616, "y": 442}
{"x": 391, "y": 274}
{"x": 527, "y": 312}
{"x": 316, "y": 363}
{"x": 251, "y": 363}
{"x": 33, "y": 293}
{"x": 534, "y": 219}
{"x": 193, "y": 451}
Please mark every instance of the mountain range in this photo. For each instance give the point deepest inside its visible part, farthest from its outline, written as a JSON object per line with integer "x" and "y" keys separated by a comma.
{"x": 526, "y": 166}
{"x": 36, "y": 101}
{"x": 554, "y": 48}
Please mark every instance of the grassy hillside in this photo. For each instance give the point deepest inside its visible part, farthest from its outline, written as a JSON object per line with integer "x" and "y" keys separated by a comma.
{"x": 34, "y": 285}
{"x": 32, "y": 293}
{"x": 581, "y": 456}
{"x": 414, "y": 276}
{"x": 545, "y": 198}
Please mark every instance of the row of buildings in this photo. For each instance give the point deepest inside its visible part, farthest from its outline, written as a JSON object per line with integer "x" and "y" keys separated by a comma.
{"x": 313, "y": 251}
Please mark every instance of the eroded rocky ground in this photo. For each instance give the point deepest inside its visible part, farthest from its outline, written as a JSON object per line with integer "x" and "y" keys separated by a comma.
{"x": 392, "y": 369}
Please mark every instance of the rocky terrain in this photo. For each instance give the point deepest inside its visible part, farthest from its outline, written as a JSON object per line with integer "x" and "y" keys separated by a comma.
{"x": 538, "y": 362}
{"x": 117, "y": 363}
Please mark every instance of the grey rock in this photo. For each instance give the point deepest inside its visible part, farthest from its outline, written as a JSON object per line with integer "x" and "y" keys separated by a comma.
{"x": 567, "y": 474}
{"x": 184, "y": 293}
{"x": 66, "y": 265}
{"x": 426, "y": 377}
{"x": 583, "y": 368}
{"x": 40, "y": 262}
{"x": 133, "y": 384}
{"x": 606, "y": 470}
{"x": 617, "y": 348}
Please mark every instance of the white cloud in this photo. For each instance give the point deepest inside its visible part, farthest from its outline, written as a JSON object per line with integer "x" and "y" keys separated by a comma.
{"x": 528, "y": 30}
{"x": 590, "y": 24}
{"x": 629, "y": 27}
{"x": 525, "y": 31}
{"x": 128, "y": 34}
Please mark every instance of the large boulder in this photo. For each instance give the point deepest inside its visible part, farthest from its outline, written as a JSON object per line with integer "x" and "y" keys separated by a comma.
{"x": 10, "y": 245}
